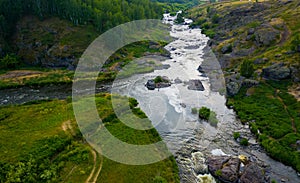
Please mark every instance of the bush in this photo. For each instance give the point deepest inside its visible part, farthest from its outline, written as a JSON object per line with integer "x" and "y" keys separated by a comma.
{"x": 159, "y": 179}
{"x": 215, "y": 18}
{"x": 295, "y": 43}
{"x": 244, "y": 142}
{"x": 9, "y": 62}
{"x": 247, "y": 69}
{"x": 204, "y": 113}
{"x": 236, "y": 135}
{"x": 158, "y": 79}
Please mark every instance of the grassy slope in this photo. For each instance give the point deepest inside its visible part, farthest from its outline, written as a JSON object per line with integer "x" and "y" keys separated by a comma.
{"x": 272, "y": 112}
{"x": 46, "y": 133}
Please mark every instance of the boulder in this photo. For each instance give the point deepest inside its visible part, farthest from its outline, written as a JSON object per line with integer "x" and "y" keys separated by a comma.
{"x": 298, "y": 48}
{"x": 249, "y": 83}
{"x": 277, "y": 71}
{"x": 226, "y": 49}
{"x": 195, "y": 85}
{"x": 224, "y": 167}
{"x": 251, "y": 31}
{"x": 252, "y": 174}
{"x": 232, "y": 88}
{"x": 266, "y": 36}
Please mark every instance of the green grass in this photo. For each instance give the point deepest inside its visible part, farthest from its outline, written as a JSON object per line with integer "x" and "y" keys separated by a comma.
{"x": 34, "y": 146}
{"x": 274, "y": 110}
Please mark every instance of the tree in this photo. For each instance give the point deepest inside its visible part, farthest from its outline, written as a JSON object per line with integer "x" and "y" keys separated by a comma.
{"x": 247, "y": 69}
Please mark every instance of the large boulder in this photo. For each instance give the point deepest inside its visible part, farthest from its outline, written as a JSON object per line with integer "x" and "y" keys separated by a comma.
{"x": 266, "y": 36}
{"x": 277, "y": 72}
{"x": 224, "y": 167}
{"x": 252, "y": 174}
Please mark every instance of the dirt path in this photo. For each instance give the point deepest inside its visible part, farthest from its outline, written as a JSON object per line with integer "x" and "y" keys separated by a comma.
{"x": 92, "y": 174}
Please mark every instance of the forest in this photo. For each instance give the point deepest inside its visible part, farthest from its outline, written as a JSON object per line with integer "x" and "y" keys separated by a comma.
{"x": 102, "y": 14}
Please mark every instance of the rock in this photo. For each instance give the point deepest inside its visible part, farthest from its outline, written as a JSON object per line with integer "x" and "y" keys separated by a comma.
{"x": 252, "y": 174}
{"x": 298, "y": 48}
{"x": 178, "y": 81}
{"x": 195, "y": 85}
{"x": 278, "y": 55}
{"x": 226, "y": 49}
{"x": 266, "y": 36}
{"x": 277, "y": 72}
{"x": 224, "y": 167}
{"x": 295, "y": 73}
{"x": 232, "y": 88}
{"x": 251, "y": 31}
{"x": 150, "y": 85}
{"x": 200, "y": 69}
{"x": 249, "y": 83}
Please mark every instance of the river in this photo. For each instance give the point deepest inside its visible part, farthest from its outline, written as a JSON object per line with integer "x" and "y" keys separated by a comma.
{"x": 189, "y": 139}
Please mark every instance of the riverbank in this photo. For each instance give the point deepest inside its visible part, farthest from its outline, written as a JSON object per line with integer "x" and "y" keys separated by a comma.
{"x": 261, "y": 68}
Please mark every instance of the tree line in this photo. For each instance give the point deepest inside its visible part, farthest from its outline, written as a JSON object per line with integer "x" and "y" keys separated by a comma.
{"x": 103, "y": 14}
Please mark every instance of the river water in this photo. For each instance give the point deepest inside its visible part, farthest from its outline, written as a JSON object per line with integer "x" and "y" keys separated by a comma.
{"x": 190, "y": 140}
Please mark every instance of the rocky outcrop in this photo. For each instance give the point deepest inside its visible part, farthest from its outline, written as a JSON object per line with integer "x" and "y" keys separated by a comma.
{"x": 266, "y": 36}
{"x": 252, "y": 174}
{"x": 295, "y": 73}
{"x": 277, "y": 71}
{"x": 225, "y": 168}
{"x": 228, "y": 169}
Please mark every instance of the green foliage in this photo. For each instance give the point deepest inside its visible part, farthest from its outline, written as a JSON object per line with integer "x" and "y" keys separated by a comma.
{"x": 218, "y": 173}
{"x": 244, "y": 142}
{"x": 273, "y": 113}
{"x": 102, "y": 14}
{"x": 247, "y": 69}
{"x": 9, "y": 62}
{"x": 215, "y": 19}
{"x": 158, "y": 79}
{"x": 179, "y": 18}
{"x": 295, "y": 43}
{"x": 35, "y": 148}
{"x": 236, "y": 135}
{"x": 159, "y": 179}
{"x": 204, "y": 113}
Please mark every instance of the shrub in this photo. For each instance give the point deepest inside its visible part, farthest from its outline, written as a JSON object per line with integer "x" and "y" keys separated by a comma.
{"x": 9, "y": 62}
{"x": 295, "y": 43}
{"x": 218, "y": 173}
{"x": 247, "y": 69}
{"x": 204, "y": 113}
{"x": 215, "y": 18}
{"x": 244, "y": 142}
{"x": 158, "y": 79}
{"x": 236, "y": 135}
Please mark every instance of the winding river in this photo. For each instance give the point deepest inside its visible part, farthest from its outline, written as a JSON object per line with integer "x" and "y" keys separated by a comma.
{"x": 190, "y": 140}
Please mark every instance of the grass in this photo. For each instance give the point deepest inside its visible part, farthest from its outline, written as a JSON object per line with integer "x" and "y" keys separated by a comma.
{"x": 276, "y": 120}
{"x": 32, "y": 134}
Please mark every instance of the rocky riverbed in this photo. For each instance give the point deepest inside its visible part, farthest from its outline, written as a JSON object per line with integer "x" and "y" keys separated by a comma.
{"x": 193, "y": 142}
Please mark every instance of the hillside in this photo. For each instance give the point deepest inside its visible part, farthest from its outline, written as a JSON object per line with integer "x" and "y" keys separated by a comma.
{"x": 258, "y": 47}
